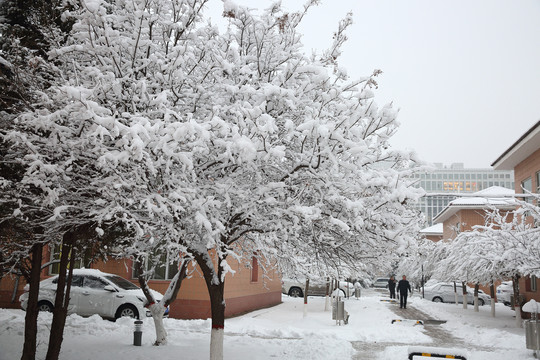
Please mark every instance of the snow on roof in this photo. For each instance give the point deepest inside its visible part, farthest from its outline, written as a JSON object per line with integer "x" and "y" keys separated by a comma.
{"x": 495, "y": 196}
{"x": 435, "y": 229}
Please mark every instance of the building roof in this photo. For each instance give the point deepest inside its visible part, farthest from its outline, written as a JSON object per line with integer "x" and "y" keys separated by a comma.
{"x": 520, "y": 150}
{"x": 436, "y": 229}
{"x": 495, "y": 196}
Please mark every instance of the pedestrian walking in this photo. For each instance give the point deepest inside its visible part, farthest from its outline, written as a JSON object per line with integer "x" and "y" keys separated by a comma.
{"x": 403, "y": 288}
{"x": 392, "y": 287}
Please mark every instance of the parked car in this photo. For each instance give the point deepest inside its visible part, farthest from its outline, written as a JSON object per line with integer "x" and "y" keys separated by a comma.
{"x": 381, "y": 283}
{"x": 296, "y": 288}
{"x": 95, "y": 292}
{"x": 444, "y": 292}
{"x": 504, "y": 291}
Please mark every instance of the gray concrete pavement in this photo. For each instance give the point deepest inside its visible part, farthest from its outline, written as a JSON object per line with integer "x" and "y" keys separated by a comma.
{"x": 440, "y": 337}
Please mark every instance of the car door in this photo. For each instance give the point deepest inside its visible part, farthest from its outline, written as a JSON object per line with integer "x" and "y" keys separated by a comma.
{"x": 75, "y": 294}
{"x": 317, "y": 288}
{"x": 94, "y": 299}
{"x": 447, "y": 293}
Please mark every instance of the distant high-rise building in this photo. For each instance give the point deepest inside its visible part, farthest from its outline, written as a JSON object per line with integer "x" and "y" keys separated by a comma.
{"x": 445, "y": 184}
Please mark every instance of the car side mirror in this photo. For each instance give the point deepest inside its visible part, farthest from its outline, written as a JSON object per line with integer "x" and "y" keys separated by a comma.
{"x": 109, "y": 288}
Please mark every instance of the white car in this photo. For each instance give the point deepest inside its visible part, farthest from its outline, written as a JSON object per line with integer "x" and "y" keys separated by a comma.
{"x": 504, "y": 291}
{"x": 95, "y": 292}
{"x": 444, "y": 292}
{"x": 296, "y": 288}
{"x": 381, "y": 283}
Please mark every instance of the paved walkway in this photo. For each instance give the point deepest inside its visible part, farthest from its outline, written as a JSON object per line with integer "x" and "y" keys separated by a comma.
{"x": 441, "y": 338}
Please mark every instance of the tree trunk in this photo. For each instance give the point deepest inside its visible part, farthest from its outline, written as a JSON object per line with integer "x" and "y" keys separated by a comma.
{"x": 30, "y": 320}
{"x": 326, "y": 301}
{"x": 305, "y": 297}
{"x": 455, "y": 293}
{"x": 492, "y": 295}
{"x": 464, "y": 288}
{"x": 216, "y": 285}
{"x": 517, "y": 304}
{"x": 476, "y": 286}
{"x": 63, "y": 288}
{"x": 158, "y": 309}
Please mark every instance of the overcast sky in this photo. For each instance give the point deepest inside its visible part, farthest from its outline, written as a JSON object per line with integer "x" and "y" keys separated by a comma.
{"x": 464, "y": 74}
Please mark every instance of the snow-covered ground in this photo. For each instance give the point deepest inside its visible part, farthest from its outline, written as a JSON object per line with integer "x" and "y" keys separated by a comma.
{"x": 281, "y": 332}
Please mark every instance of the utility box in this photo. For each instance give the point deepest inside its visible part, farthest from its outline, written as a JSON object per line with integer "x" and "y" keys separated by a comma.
{"x": 338, "y": 310}
{"x": 532, "y": 334}
{"x": 357, "y": 293}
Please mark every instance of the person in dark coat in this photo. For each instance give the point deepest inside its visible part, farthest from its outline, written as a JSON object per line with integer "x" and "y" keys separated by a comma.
{"x": 403, "y": 288}
{"x": 392, "y": 287}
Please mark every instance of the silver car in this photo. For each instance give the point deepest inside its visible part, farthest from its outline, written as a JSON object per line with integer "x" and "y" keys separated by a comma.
{"x": 296, "y": 288}
{"x": 95, "y": 292}
{"x": 444, "y": 292}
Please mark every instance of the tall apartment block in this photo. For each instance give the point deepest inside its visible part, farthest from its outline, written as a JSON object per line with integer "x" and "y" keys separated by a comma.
{"x": 446, "y": 183}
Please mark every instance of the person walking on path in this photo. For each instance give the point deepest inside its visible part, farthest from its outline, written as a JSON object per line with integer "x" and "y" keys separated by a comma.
{"x": 392, "y": 287}
{"x": 403, "y": 288}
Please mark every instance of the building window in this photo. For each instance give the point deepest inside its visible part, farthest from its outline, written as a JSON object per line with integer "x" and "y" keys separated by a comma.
{"x": 254, "y": 269}
{"x": 165, "y": 266}
{"x": 538, "y": 182}
{"x": 54, "y": 268}
{"x": 530, "y": 283}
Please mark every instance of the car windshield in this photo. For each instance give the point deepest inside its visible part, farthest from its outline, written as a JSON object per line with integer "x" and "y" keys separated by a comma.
{"x": 121, "y": 282}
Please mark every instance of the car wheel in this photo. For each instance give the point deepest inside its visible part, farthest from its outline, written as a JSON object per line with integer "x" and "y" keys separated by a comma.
{"x": 127, "y": 311}
{"x": 343, "y": 293}
{"x": 481, "y": 302}
{"x": 437, "y": 299}
{"x": 295, "y": 292}
{"x": 45, "y": 306}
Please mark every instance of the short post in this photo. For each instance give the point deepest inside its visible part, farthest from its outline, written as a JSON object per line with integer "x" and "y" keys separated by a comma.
{"x": 137, "y": 333}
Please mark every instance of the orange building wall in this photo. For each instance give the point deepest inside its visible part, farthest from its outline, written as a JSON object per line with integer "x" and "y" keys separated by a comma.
{"x": 241, "y": 294}
{"x": 525, "y": 169}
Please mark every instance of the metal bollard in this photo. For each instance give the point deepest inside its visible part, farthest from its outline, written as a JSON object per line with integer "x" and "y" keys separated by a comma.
{"x": 137, "y": 334}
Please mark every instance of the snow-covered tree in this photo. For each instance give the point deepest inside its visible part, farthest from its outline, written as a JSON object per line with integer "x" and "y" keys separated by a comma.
{"x": 295, "y": 165}
{"x": 220, "y": 146}
{"x": 505, "y": 246}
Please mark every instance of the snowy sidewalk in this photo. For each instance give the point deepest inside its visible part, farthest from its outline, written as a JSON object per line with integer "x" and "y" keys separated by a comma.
{"x": 442, "y": 336}
{"x": 282, "y": 332}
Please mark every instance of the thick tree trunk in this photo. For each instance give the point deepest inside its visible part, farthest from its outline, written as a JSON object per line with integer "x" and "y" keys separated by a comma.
{"x": 492, "y": 295}
{"x": 30, "y": 320}
{"x": 217, "y": 304}
{"x": 215, "y": 283}
{"x": 517, "y": 304}
{"x": 158, "y": 309}
{"x": 63, "y": 288}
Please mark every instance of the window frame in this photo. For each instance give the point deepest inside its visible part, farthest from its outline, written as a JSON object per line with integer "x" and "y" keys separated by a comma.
{"x": 167, "y": 267}
{"x": 524, "y": 189}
